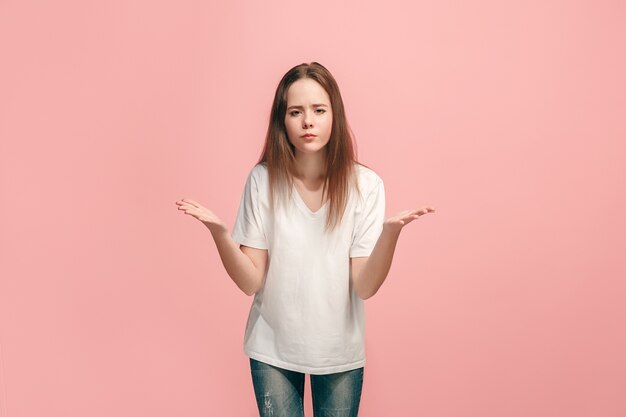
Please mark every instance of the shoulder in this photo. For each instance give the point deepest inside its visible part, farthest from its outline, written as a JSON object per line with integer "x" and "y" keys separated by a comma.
{"x": 258, "y": 173}
{"x": 368, "y": 178}
{"x": 259, "y": 169}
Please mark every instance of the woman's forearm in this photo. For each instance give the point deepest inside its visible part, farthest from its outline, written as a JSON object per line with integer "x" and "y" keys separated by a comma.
{"x": 237, "y": 264}
{"x": 378, "y": 264}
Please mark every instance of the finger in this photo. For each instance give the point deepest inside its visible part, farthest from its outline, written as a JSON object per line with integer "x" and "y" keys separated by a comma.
{"x": 188, "y": 200}
{"x": 192, "y": 202}
{"x": 189, "y": 210}
{"x": 191, "y": 213}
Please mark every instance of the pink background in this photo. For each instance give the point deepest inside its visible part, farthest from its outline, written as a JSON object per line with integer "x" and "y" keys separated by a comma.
{"x": 507, "y": 117}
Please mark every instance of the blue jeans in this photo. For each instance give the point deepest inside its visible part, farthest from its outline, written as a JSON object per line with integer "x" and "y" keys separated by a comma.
{"x": 280, "y": 392}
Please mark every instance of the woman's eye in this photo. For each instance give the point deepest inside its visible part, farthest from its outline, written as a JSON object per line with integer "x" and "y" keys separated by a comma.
{"x": 293, "y": 112}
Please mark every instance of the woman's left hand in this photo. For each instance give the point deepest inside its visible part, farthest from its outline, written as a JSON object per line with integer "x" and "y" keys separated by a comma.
{"x": 395, "y": 223}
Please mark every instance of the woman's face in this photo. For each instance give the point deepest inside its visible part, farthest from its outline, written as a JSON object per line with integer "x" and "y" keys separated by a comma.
{"x": 308, "y": 112}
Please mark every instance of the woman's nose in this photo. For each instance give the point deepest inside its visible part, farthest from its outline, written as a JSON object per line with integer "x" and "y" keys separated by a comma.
{"x": 306, "y": 120}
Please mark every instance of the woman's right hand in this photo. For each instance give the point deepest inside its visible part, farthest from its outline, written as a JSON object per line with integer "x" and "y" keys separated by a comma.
{"x": 206, "y": 216}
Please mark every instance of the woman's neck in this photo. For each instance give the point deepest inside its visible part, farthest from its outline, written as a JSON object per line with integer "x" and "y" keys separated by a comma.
{"x": 310, "y": 167}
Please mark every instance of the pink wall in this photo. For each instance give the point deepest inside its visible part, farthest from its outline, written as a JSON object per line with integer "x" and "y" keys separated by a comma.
{"x": 507, "y": 118}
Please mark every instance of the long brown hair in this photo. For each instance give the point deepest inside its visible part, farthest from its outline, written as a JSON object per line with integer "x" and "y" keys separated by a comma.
{"x": 341, "y": 158}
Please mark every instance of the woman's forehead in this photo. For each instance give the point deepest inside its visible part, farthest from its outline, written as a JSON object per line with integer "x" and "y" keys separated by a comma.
{"x": 307, "y": 91}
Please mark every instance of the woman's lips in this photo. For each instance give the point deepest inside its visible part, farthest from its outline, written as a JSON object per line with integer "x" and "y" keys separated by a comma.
{"x": 309, "y": 137}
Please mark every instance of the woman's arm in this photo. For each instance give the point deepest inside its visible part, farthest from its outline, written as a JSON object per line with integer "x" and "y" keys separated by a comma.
{"x": 246, "y": 266}
{"x": 369, "y": 273}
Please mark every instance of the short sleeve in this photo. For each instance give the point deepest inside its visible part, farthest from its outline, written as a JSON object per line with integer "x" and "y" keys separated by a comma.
{"x": 369, "y": 224}
{"x": 248, "y": 229}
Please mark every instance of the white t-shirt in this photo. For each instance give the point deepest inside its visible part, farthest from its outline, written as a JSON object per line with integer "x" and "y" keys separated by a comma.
{"x": 307, "y": 317}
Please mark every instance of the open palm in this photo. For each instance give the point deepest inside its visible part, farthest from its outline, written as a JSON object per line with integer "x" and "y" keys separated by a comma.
{"x": 405, "y": 217}
{"x": 206, "y": 216}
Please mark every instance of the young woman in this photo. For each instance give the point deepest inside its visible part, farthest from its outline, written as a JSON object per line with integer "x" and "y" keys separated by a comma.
{"x": 311, "y": 242}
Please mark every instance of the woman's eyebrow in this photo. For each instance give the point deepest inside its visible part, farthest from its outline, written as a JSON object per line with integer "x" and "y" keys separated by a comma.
{"x": 300, "y": 107}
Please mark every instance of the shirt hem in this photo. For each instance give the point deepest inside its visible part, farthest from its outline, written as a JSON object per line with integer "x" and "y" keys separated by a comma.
{"x": 305, "y": 369}
{"x": 258, "y": 244}
{"x": 360, "y": 254}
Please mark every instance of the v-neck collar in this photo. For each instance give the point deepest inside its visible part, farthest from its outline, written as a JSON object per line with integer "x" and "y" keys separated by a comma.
{"x": 300, "y": 202}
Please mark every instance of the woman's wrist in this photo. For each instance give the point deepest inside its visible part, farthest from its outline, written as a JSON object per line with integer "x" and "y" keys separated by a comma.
{"x": 392, "y": 228}
{"x": 217, "y": 230}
